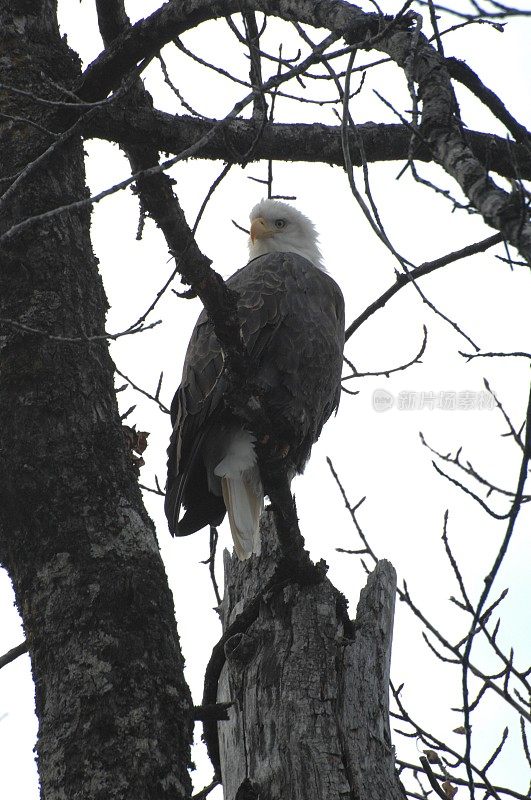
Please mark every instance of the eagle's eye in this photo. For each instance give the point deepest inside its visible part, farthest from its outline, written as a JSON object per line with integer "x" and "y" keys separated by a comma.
{"x": 280, "y": 223}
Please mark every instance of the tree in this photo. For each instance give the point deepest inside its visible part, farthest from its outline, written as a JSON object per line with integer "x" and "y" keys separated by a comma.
{"x": 115, "y": 714}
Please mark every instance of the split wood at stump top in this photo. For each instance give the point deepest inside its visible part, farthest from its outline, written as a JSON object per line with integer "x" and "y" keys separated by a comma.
{"x": 310, "y": 689}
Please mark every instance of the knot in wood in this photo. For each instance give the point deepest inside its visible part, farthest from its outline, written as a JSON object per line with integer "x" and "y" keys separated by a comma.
{"x": 239, "y": 650}
{"x": 247, "y": 791}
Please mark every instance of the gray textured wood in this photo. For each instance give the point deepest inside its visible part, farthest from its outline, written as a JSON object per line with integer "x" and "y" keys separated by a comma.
{"x": 310, "y": 690}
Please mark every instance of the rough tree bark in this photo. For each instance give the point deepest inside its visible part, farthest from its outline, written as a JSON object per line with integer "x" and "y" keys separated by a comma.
{"x": 293, "y": 141}
{"x": 113, "y": 707}
{"x": 309, "y": 688}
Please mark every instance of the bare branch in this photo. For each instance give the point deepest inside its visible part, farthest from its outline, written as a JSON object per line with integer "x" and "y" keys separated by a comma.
{"x": 517, "y": 438}
{"x": 432, "y": 779}
{"x": 415, "y": 360}
{"x": 525, "y": 743}
{"x": 13, "y": 654}
{"x": 206, "y": 791}
{"x": 466, "y": 75}
{"x": 211, "y": 561}
{"x": 494, "y": 791}
{"x": 149, "y": 35}
{"x": 418, "y": 272}
{"x": 516, "y": 354}
{"x": 154, "y": 397}
{"x": 469, "y": 470}
{"x": 520, "y": 706}
{"x": 489, "y": 580}
{"x": 497, "y": 751}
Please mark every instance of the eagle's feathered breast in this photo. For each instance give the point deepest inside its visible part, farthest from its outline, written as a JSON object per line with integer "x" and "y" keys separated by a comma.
{"x": 292, "y": 323}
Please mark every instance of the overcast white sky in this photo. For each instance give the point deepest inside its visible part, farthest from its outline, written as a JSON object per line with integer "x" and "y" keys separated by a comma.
{"x": 377, "y": 455}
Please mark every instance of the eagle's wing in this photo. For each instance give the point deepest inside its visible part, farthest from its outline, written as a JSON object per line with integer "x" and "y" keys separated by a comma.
{"x": 292, "y": 322}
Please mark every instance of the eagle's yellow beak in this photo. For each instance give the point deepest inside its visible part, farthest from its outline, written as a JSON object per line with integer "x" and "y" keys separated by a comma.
{"x": 260, "y": 229}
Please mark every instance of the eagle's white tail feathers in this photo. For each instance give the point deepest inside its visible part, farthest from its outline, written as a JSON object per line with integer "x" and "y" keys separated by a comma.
{"x": 242, "y": 493}
{"x": 244, "y": 509}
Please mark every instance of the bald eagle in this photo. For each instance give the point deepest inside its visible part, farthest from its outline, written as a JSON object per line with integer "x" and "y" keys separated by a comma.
{"x": 293, "y": 328}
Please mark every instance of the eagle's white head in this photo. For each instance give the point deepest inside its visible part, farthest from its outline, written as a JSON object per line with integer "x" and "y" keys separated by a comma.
{"x": 279, "y": 228}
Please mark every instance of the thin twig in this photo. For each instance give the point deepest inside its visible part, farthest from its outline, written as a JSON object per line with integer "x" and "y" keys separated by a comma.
{"x": 154, "y": 397}
{"x": 415, "y": 360}
{"x": 206, "y": 791}
{"x": 13, "y": 654}
{"x": 423, "y": 269}
{"x": 489, "y": 580}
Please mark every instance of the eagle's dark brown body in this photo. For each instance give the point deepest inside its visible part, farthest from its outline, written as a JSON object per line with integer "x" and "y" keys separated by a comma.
{"x": 293, "y": 327}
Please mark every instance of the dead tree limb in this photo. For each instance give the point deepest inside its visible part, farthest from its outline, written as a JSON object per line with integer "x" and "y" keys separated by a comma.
{"x": 309, "y": 686}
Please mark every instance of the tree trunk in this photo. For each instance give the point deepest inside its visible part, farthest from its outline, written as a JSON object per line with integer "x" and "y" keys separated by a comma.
{"x": 309, "y": 687}
{"x": 113, "y": 707}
